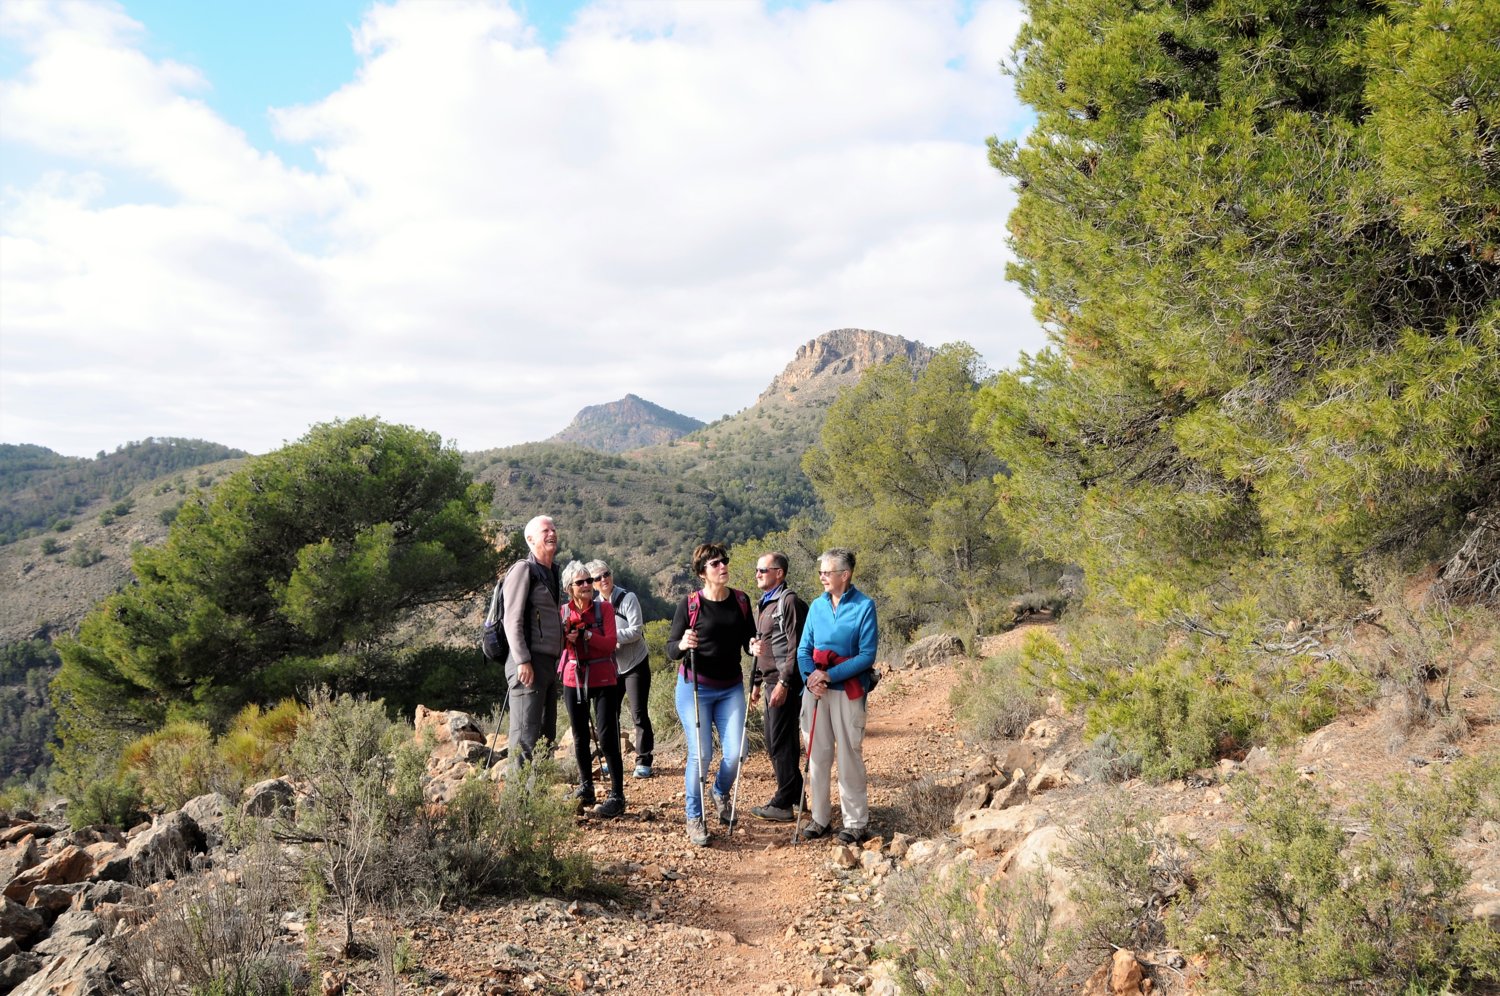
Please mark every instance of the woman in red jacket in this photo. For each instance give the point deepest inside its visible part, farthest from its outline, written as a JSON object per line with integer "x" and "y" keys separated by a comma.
{"x": 589, "y": 678}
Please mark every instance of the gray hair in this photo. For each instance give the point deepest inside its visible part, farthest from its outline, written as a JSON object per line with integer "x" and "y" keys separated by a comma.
{"x": 534, "y": 526}
{"x": 596, "y": 568}
{"x": 842, "y": 558}
{"x": 571, "y": 572}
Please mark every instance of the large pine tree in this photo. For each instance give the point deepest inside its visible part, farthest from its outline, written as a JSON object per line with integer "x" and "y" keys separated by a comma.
{"x": 1265, "y": 240}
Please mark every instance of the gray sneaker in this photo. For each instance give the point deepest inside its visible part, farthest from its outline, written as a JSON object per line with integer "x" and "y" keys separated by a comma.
{"x": 775, "y": 814}
{"x": 697, "y": 833}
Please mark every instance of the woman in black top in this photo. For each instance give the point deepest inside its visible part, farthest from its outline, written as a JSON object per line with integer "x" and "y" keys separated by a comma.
{"x": 710, "y": 631}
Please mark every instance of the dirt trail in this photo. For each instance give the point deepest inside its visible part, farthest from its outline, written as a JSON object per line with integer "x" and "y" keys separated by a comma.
{"x": 696, "y": 920}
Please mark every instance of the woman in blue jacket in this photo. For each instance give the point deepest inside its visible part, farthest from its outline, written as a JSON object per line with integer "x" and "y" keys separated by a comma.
{"x": 837, "y": 660}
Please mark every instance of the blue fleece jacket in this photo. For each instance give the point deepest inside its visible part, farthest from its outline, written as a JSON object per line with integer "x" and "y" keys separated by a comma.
{"x": 848, "y": 631}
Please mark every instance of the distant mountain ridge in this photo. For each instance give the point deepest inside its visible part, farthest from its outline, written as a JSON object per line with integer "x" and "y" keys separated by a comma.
{"x": 834, "y": 360}
{"x": 628, "y": 424}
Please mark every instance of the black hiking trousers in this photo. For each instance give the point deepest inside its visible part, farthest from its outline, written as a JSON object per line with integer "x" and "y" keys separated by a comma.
{"x": 606, "y": 703}
{"x": 784, "y": 744}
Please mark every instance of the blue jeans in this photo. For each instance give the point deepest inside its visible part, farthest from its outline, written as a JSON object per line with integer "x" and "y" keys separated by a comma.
{"x": 721, "y": 709}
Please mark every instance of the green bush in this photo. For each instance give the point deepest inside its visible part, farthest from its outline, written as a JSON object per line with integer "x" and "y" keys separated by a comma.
{"x": 514, "y": 837}
{"x": 1298, "y": 905}
{"x": 997, "y": 699}
{"x": 113, "y": 800}
{"x": 85, "y": 554}
{"x": 51, "y": 546}
{"x": 256, "y": 743}
{"x": 176, "y": 763}
{"x": 960, "y": 935}
{"x": 1183, "y": 679}
{"x": 1125, "y": 876}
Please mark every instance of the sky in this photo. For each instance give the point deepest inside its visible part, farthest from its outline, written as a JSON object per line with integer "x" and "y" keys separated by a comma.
{"x": 234, "y": 220}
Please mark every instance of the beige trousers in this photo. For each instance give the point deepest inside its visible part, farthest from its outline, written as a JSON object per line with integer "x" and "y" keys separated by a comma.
{"x": 841, "y": 724}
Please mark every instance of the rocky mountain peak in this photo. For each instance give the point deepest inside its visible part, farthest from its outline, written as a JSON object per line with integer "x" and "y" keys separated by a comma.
{"x": 838, "y": 358}
{"x": 627, "y": 424}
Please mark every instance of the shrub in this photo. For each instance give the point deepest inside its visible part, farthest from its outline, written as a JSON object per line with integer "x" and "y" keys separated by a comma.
{"x": 62, "y": 525}
{"x": 1183, "y": 680}
{"x": 959, "y": 936}
{"x": 175, "y": 764}
{"x": 114, "y": 800}
{"x": 1297, "y": 905}
{"x": 926, "y": 807}
{"x": 85, "y": 554}
{"x": 997, "y": 699}
{"x": 1126, "y": 874}
{"x": 217, "y": 936}
{"x": 51, "y": 546}
{"x": 256, "y": 743}
{"x": 512, "y": 837}
{"x": 361, "y": 773}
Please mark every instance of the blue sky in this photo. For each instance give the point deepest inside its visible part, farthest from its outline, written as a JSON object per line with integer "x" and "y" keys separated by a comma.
{"x": 231, "y": 220}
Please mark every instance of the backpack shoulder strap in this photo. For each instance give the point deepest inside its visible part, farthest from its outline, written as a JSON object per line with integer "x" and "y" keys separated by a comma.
{"x": 616, "y": 597}
{"x": 744, "y": 600}
{"x": 694, "y": 599}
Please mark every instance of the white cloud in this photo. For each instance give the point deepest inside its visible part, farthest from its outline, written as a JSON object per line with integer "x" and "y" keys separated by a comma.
{"x": 668, "y": 202}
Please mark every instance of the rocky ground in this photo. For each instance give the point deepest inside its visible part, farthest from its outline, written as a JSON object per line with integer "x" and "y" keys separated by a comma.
{"x": 754, "y": 913}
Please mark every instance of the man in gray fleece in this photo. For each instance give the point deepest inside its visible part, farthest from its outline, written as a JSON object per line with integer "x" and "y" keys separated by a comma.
{"x": 533, "y": 625}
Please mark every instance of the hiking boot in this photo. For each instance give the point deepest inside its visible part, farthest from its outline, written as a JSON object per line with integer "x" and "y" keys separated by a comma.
{"x": 812, "y": 831}
{"x": 725, "y": 808}
{"x": 610, "y": 809}
{"x": 583, "y": 795}
{"x": 774, "y": 814}
{"x": 697, "y": 833}
{"x": 643, "y": 771}
{"x": 853, "y": 835}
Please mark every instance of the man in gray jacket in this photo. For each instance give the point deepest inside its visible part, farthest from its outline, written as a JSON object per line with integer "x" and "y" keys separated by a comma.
{"x": 630, "y": 659}
{"x": 533, "y": 625}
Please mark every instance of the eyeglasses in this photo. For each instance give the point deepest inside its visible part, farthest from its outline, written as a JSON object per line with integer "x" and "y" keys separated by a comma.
{"x": 836, "y": 570}
{"x": 718, "y": 562}
{"x": 766, "y": 570}
{"x": 580, "y": 582}
{"x": 604, "y": 577}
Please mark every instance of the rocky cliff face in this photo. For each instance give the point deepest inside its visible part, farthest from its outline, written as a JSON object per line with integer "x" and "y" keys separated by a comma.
{"x": 837, "y": 359}
{"x": 627, "y": 424}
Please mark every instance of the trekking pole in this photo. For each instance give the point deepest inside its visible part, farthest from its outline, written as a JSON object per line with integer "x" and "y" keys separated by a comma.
{"x": 698, "y": 736}
{"x": 739, "y": 772}
{"x": 812, "y": 731}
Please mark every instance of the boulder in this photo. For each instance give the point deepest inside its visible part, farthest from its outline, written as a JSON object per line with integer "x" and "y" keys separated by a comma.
{"x": 52, "y": 900}
{"x": 15, "y": 968}
{"x": 448, "y": 727}
{"x": 105, "y": 893}
{"x": 1012, "y": 795}
{"x": 1051, "y": 775}
{"x": 83, "y": 973}
{"x": 269, "y": 797}
{"x": 936, "y": 649}
{"x": 1042, "y": 733}
{"x": 21, "y": 831}
{"x": 208, "y": 812}
{"x": 165, "y": 848}
{"x": 1125, "y": 974}
{"x": 8, "y": 947}
{"x": 20, "y": 922}
{"x": 70, "y": 864}
{"x": 17, "y": 857}
{"x": 111, "y": 862}
{"x": 973, "y": 798}
{"x": 74, "y": 931}
{"x": 994, "y": 831}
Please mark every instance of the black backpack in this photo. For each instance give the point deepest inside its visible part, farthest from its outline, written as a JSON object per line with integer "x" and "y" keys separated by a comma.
{"x": 492, "y": 638}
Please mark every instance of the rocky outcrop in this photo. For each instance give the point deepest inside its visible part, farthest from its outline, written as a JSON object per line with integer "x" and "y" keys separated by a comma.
{"x": 628, "y": 424}
{"x": 836, "y": 359}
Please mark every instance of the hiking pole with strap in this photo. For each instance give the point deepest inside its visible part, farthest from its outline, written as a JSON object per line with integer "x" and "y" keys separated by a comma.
{"x": 739, "y": 772}
{"x": 812, "y": 731}
{"x": 698, "y": 737}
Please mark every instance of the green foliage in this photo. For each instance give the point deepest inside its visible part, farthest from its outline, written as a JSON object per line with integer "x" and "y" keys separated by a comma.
{"x": 910, "y": 485}
{"x": 363, "y": 798}
{"x": 256, "y": 742}
{"x": 111, "y": 800}
{"x": 40, "y": 489}
{"x": 997, "y": 699}
{"x": 514, "y": 837}
{"x": 174, "y": 764}
{"x": 50, "y": 546}
{"x": 297, "y": 570}
{"x": 1297, "y": 905}
{"x": 86, "y": 553}
{"x": 960, "y": 935}
{"x": 1184, "y": 679}
{"x": 1263, "y": 241}
{"x": 1125, "y": 876}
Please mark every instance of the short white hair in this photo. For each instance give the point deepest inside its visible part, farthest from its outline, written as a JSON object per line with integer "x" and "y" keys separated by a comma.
{"x": 534, "y": 526}
{"x": 596, "y": 567}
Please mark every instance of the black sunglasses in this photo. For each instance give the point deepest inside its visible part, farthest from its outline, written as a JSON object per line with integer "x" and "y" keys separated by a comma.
{"x": 766, "y": 570}
{"x": 718, "y": 562}
{"x": 580, "y": 582}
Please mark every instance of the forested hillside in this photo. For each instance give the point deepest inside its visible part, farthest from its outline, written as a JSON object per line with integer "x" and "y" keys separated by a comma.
{"x": 41, "y": 490}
